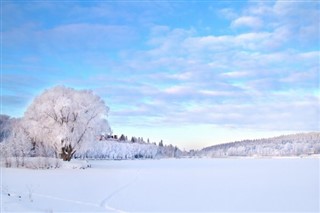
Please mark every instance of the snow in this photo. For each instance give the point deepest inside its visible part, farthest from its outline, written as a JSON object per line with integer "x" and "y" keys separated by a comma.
{"x": 167, "y": 185}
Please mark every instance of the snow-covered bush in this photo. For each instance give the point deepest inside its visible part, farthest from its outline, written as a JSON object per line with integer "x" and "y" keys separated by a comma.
{"x": 168, "y": 151}
{"x": 112, "y": 149}
{"x": 16, "y": 146}
{"x": 35, "y": 163}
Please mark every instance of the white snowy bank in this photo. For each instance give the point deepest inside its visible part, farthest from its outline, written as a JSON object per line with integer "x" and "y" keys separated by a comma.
{"x": 175, "y": 185}
{"x": 42, "y": 163}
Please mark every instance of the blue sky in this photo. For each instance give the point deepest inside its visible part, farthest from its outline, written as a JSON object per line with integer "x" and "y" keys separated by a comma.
{"x": 191, "y": 73}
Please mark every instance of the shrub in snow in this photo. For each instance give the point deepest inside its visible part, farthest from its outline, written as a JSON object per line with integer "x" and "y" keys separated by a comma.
{"x": 169, "y": 151}
{"x": 31, "y": 162}
{"x": 112, "y": 149}
{"x": 16, "y": 147}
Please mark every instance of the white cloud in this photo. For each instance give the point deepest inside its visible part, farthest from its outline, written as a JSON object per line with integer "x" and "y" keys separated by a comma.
{"x": 212, "y": 43}
{"x": 235, "y": 74}
{"x": 178, "y": 90}
{"x": 214, "y": 93}
{"x": 247, "y": 21}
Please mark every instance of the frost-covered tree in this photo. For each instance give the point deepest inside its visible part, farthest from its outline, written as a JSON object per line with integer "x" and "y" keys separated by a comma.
{"x": 5, "y": 126}
{"x": 64, "y": 119}
{"x": 122, "y": 138}
{"x": 134, "y": 139}
{"x": 17, "y": 145}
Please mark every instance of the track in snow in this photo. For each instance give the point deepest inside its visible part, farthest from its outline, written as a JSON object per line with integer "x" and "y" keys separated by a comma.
{"x": 104, "y": 202}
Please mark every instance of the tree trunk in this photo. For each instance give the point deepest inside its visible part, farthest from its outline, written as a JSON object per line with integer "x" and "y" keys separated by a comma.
{"x": 67, "y": 152}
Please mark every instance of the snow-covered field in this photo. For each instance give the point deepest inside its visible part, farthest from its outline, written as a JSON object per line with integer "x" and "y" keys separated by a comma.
{"x": 174, "y": 185}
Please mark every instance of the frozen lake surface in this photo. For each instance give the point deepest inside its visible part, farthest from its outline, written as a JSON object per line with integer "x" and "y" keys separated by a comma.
{"x": 170, "y": 185}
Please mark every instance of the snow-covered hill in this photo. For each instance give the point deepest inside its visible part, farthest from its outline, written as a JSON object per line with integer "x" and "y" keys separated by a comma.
{"x": 287, "y": 145}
